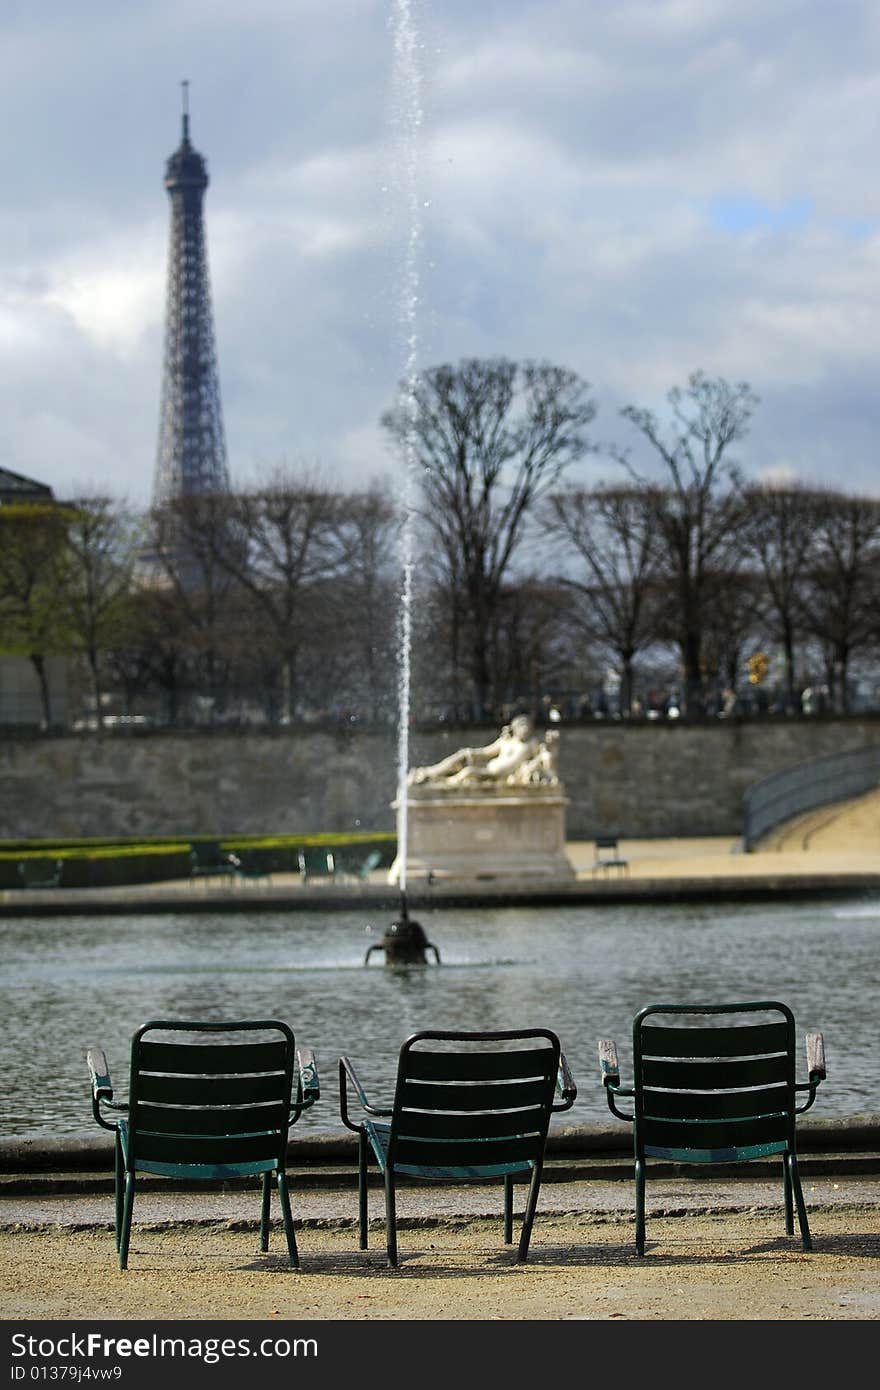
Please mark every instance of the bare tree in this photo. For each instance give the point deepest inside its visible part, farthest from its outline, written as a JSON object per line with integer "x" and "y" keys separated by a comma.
{"x": 98, "y": 559}
{"x": 150, "y": 656}
{"x": 532, "y": 645}
{"x": 698, "y": 508}
{"x": 733, "y": 631}
{"x": 780, "y": 536}
{"x": 490, "y": 436}
{"x": 32, "y": 541}
{"x": 610, "y": 531}
{"x": 290, "y": 547}
{"x": 364, "y": 595}
{"x": 197, "y": 545}
{"x": 842, "y": 583}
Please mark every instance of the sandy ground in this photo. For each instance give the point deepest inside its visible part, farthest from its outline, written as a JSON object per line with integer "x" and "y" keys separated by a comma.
{"x": 846, "y": 827}
{"x": 719, "y": 1266}
{"x": 835, "y": 839}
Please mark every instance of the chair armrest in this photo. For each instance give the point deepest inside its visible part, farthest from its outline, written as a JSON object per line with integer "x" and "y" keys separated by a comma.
{"x": 99, "y": 1070}
{"x": 348, "y": 1074}
{"x": 816, "y": 1057}
{"x": 609, "y": 1069}
{"x": 308, "y": 1088}
{"x": 565, "y": 1085}
{"x": 609, "y": 1066}
{"x": 815, "y": 1070}
{"x": 102, "y": 1086}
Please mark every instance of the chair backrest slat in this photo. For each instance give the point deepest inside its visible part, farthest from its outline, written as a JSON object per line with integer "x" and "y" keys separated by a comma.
{"x": 212, "y": 1149}
{"x": 201, "y": 1059}
{"x": 717, "y": 1105}
{"x": 502, "y": 1095}
{"x": 430, "y": 1125}
{"x": 210, "y": 1090}
{"x": 236, "y": 1119}
{"x": 715, "y": 1075}
{"x": 481, "y": 1065}
{"x": 751, "y": 1040}
{"x": 706, "y": 1134}
{"x": 468, "y": 1153}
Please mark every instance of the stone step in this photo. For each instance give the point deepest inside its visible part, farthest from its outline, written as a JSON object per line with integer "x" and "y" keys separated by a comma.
{"x": 341, "y": 1177}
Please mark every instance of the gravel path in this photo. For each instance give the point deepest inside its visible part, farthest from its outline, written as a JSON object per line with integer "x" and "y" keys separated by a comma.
{"x": 582, "y": 1266}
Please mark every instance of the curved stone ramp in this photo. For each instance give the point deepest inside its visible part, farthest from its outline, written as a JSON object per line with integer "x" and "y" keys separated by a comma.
{"x": 840, "y": 828}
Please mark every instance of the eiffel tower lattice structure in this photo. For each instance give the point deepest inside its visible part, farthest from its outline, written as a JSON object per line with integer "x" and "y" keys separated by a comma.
{"x": 192, "y": 447}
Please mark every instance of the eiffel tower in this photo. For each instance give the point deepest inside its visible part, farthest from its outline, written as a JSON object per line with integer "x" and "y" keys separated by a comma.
{"x": 192, "y": 447}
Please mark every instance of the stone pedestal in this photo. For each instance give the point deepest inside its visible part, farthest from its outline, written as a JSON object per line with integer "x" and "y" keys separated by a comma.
{"x": 491, "y": 834}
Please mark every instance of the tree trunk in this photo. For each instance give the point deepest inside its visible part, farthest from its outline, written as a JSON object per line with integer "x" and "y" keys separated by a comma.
{"x": 788, "y": 658}
{"x": 92, "y": 657}
{"x": 39, "y": 664}
{"x": 626, "y": 684}
{"x": 693, "y": 679}
{"x": 289, "y": 685}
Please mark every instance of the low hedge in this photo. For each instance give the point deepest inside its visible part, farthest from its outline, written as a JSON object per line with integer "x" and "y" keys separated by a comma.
{"x": 103, "y": 863}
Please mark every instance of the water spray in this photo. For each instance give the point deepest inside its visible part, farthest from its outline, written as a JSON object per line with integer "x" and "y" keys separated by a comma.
{"x": 405, "y": 940}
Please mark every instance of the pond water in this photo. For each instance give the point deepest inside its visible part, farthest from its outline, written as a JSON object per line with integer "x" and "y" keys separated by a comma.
{"x": 68, "y": 983}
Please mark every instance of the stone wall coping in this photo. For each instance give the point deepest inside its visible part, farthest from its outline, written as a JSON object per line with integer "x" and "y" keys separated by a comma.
{"x": 45, "y": 1154}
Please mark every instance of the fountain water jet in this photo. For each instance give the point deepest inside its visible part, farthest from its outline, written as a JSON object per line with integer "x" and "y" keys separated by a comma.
{"x": 405, "y": 941}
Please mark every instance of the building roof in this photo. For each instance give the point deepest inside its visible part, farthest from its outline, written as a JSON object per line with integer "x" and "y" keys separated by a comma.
{"x": 16, "y": 488}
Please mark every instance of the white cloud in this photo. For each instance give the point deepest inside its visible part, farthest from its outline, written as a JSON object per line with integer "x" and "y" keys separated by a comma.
{"x": 112, "y": 299}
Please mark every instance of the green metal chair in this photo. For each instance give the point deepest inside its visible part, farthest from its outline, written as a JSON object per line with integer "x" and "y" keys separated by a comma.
{"x": 206, "y": 1110}
{"x": 467, "y": 1107}
{"x": 715, "y": 1083}
{"x": 349, "y": 866}
{"x": 254, "y": 866}
{"x": 40, "y": 873}
{"x": 208, "y": 859}
{"x": 316, "y": 864}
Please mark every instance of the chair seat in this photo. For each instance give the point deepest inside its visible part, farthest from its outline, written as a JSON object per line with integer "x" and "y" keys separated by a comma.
{"x": 740, "y": 1154}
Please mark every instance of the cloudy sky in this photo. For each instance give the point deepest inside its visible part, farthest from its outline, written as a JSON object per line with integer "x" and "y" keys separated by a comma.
{"x": 633, "y": 190}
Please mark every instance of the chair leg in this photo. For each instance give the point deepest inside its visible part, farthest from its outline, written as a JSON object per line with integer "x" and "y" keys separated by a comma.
{"x": 791, "y": 1160}
{"x": 363, "y": 1223}
{"x": 119, "y": 1191}
{"x": 640, "y": 1206}
{"x": 787, "y": 1197}
{"x": 284, "y": 1197}
{"x": 508, "y": 1210}
{"x": 264, "y": 1211}
{"x": 125, "y": 1231}
{"x": 390, "y": 1217}
{"x": 529, "y": 1217}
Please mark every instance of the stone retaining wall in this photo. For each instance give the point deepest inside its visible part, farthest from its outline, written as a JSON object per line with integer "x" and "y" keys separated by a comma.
{"x": 641, "y": 780}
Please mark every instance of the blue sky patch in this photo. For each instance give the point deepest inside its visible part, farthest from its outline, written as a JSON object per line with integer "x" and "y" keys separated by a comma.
{"x": 738, "y": 214}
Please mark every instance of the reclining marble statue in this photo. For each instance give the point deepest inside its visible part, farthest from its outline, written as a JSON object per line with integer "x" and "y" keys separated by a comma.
{"x": 516, "y": 758}
{"x": 494, "y": 811}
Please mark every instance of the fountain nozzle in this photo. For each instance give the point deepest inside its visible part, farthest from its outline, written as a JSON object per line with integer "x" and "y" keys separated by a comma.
{"x": 404, "y": 941}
